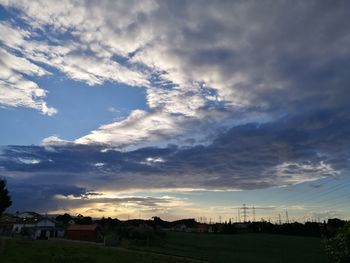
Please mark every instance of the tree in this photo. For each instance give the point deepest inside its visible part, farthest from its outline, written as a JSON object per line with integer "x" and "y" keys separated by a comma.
{"x": 5, "y": 198}
{"x": 338, "y": 247}
{"x": 83, "y": 220}
{"x": 5, "y": 202}
{"x": 64, "y": 219}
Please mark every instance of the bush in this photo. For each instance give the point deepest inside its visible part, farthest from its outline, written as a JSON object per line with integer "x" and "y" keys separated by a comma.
{"x": 338, "y": 247}
{"x": 112, "y": 239}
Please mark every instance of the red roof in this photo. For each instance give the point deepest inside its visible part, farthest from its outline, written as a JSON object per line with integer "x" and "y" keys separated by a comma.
{"x": 82, "y": 227}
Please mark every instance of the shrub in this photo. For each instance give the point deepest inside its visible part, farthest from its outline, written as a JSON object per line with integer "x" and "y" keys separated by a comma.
{"x": 338, "y": 247}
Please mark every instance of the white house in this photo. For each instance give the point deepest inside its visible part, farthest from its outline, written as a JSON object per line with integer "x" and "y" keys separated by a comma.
{"x": 22, "y": 223}
{"x": 38, "y": 228}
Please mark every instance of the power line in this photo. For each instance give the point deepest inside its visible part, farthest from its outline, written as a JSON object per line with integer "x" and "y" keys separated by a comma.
{"x": 336, "y": 187}
{"x": 292, "y": 196}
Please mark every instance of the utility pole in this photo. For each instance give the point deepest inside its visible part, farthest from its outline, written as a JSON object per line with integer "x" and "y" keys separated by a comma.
{"x": 239, "y": 215}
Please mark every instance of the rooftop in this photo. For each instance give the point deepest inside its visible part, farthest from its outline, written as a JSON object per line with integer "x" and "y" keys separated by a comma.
{"x": 82, "y": 227}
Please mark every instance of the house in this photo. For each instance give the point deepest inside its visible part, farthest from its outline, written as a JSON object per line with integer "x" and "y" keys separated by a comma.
{"x": 47, "y": 228}
{"x": 38, "y": 228}
{"x": 25, "y": 220}
{"x": 180, "y": 228}
{"x": 21, "y": 224}
{"x": 83, "y": 232}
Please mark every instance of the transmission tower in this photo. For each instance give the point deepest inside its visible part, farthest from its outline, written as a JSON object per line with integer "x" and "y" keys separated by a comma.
{"x": 253, "y": 213}
{"x": 244, "y": 208}
{"x": 287, "y": 217}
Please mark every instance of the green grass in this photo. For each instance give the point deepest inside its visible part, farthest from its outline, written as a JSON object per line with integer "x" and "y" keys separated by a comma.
{"x": 25, "y": 251}
{"x": 214, "y": 248}
{"x": 243, "y": 248}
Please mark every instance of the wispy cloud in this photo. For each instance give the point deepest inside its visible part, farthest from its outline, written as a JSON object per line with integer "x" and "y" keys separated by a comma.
{"x": 251, "y": 60}
{"x": 15, "y": 89}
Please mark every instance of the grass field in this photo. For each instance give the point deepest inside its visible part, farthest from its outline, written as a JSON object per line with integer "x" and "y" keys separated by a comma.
{"x": 243, "y": 248}
{"x": 207, "y": 247}
{"x": 25, "y": 251}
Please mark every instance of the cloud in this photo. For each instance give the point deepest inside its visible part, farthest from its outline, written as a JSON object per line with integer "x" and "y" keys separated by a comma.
{"x": 15, "y": 89}
{"x": 54, "y": 140}
{"x": 29, "y": 161}
{"x": 194, "y": 58}
{"x": 40, "y": 197}
{"x": 59, "y": 198}
{"x": 113, "y": 110}
{"x": 140, "y": 127}
{"x": 159, "y": 128}
{"x": 95, "y": 71}
{"x": 248, "y": 156}
{"x": 292, "y": 173}
{"x": 241, "y": 95}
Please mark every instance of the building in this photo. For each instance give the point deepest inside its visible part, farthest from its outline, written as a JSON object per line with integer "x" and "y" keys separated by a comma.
{"x": 202, "y": 228}
{"x": 83, "y": 232}
{"x": 181, "y": 228}
{"x": 21, "y": 224}
{"x": 38, "y": 228}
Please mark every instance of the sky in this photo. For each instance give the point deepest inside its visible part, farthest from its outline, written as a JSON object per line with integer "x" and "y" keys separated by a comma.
{"x": 177, "y": 109}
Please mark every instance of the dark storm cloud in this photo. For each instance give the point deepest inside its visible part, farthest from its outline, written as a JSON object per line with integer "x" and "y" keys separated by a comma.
{"x": 291, "y": 53}
{"x": 251, "y": 156}
{"x": 40, "y": 197}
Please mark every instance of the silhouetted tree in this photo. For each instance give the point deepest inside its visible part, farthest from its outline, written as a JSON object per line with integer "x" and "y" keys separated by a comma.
{"x": 5, "y": 202}
{"x": 64, "y": 219}
{"x": 5, "y": 198}
{"x": 336, "y": 222}
{"x": 338, "y": 247}
{"x": 83, "y": 220}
